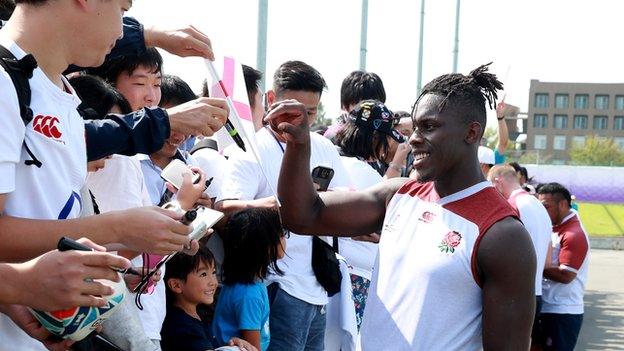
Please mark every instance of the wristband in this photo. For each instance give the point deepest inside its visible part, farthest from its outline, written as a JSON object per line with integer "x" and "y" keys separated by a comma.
{"x": 500, "y": 118}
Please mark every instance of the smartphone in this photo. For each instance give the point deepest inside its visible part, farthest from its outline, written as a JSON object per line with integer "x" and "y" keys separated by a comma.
{"x": 322, "y": 176}
{"x": 173, "y": 173}
{"x": 206, "y": 218}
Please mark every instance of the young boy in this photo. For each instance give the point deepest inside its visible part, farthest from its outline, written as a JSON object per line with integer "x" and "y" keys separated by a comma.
{"x": 191, "y": 281}
{"x": 138, "y": 79}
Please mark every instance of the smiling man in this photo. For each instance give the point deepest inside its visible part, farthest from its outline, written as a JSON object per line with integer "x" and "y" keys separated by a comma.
{"x": 455, "y": 269}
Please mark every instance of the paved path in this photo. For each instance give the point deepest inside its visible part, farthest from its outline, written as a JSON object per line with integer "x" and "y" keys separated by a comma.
{"x": 603, "y": 324}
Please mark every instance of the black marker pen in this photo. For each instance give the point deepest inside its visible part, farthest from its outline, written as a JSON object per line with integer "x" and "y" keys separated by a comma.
{"x": 189, "y": 217}
{"x": 66, "y": 244}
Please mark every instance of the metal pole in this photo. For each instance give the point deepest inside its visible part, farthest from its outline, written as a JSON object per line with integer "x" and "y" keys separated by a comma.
{"x": 263, "y": 12}
{"x": 456, "y": 50}
{"x": 420, "y": 47}
{"x": 363, "y": 35}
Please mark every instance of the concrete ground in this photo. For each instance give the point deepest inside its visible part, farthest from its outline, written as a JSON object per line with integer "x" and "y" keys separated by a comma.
{"x": 603, "y": 324}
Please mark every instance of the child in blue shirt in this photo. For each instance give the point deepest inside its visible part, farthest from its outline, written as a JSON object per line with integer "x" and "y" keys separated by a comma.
{"x": 254, "y": 240}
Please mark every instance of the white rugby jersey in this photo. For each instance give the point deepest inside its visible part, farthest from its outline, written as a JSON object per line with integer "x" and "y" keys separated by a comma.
{"x": 425, "y": 292}
{"x": 56, "y": 136}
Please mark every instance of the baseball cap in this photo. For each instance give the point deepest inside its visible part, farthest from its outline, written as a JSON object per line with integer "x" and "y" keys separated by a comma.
{"x": 374, "y": 115}
{"x": 486, "y": 155}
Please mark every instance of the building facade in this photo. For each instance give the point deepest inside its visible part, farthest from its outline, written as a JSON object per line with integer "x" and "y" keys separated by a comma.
{"x": 563, "y": 114}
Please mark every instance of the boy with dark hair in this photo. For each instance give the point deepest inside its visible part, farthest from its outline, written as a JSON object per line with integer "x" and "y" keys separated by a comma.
{"x": 566, "y": 273}
{"x": 56, "y": 136}
{"x": 443, "y": 234}
{"x": 297, "y": 299}
{"x": 175, "y": 91}
{"x": 99, "y": 96}
{"x": 358, "y": 86}
{"x": 191, "y": 281}
{"x": 137, "y": 77}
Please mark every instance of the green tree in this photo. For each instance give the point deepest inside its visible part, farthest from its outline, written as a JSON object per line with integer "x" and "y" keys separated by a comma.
{"x": 491, "y": 135}
{"x": 597, "y": 152}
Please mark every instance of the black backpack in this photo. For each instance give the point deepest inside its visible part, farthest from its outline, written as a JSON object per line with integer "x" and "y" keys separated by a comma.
{"x": 20, "y": 72}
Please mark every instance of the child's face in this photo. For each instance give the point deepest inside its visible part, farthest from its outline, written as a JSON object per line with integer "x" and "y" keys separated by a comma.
{"x": 200, "y": 285}
{"x": 141, "y": 88}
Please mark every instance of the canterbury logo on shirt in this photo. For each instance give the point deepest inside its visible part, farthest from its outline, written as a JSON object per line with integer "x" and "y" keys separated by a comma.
{"x": 48, "y": 126}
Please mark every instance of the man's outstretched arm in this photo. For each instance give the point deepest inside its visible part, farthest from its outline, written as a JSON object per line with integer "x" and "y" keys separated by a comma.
{"x": 506, "y": 260}
{"x": 304, "y": 210}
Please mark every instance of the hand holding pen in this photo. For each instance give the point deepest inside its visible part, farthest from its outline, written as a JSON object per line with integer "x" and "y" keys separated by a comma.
{"x": 66, "y": 244}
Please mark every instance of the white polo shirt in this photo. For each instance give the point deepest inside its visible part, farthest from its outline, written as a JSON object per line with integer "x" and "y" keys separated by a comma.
{"x": 245, "y": 181}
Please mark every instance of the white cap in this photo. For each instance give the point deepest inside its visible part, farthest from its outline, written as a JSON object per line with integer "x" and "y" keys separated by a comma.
{"x": 486, "y": 155}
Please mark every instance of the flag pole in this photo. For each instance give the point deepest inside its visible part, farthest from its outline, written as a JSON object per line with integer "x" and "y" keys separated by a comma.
{"x": 230, "y": 103}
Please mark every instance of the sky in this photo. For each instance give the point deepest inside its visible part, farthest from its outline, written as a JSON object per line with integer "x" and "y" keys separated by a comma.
{"x": 548, "y": 40}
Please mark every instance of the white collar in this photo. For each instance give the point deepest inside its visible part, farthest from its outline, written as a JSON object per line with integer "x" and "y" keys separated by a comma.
{"x": 464, "y": 193}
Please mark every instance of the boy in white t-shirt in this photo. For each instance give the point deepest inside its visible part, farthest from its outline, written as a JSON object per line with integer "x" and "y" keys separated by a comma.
{"x": 138, "y": 78}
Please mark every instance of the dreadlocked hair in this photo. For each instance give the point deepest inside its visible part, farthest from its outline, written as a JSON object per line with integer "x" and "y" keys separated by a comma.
{"x": 466, "y": 94}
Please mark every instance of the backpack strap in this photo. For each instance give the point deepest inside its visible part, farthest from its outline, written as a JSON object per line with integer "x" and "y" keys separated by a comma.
{"x": 20, "y": 72}
{"x": 205, "y": 144}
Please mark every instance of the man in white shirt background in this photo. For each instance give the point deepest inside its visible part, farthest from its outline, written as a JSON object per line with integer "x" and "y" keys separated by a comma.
{"x": 297, "y": 300}
{"x": 536, "y": 221}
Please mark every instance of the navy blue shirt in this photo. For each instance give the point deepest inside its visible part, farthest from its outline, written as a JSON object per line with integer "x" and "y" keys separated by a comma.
{"x": 183, "y": 332}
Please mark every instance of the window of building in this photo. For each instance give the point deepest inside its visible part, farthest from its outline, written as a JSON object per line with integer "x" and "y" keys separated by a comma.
{"x": 619, "y": 141}
{"x": 580, "y": 122}
{"x": 602, "y": 102}
{"x": 540, "y": 142}
{"x": 619, "y": 102}
{"x": 561, "y": 122}
{"x": 561, "y": 100}
{"x": 540, "y": 121}
{"x": 618, "y": 123}
{"x": 578, "y": 141}
{"x": 601, "y": 122}
{"x": 559, "y": 142}
{"x": 581, "y": 101}
{"x": 541, "y": 100}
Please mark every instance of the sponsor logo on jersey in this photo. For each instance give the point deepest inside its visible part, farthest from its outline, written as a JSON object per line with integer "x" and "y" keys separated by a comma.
{"x": 48, "y": 126}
